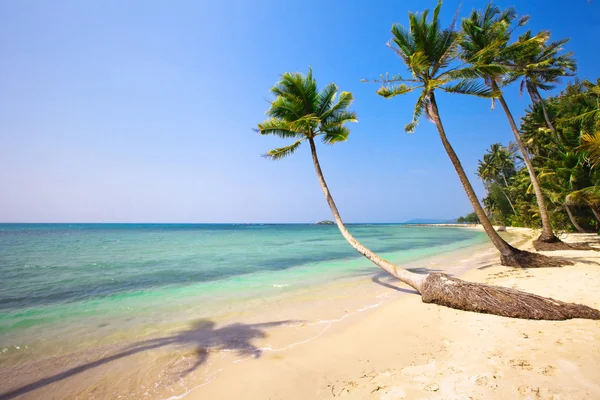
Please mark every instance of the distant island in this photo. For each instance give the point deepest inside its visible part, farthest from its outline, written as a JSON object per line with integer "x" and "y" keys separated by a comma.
{"x": 325, "y": 222}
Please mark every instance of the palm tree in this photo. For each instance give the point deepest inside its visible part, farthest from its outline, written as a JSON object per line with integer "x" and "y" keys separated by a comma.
{"x": 485, "y": 41}
{"x": 565, "y": 161}
{"x": 541, "y": 68}
{"x": 428, "y": 52}
{"x": 496, "y": 164}
{"x": 590, "y": 146}
{"x": 303, "y": 113}
{"x": 491, "y": 207}
{"x": 589, "y": 120}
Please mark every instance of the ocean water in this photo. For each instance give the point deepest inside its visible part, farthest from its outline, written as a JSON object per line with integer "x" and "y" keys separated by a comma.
{"x": 56, "y": 271}
{"x": 67, "y": 287}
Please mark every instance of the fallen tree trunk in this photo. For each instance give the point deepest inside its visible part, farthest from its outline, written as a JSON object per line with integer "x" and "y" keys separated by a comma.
{"x": 477, "y": 297}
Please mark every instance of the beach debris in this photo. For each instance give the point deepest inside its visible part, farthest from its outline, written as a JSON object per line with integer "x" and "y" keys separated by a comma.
{"x": 521, "y": 364}
{"x": 432, "y": 387}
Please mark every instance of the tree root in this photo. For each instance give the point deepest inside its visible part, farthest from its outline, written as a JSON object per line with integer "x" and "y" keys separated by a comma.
{"x": 478, "y": 297}
{"x": 525, "y": 259}
{"x": 541, "y": 245}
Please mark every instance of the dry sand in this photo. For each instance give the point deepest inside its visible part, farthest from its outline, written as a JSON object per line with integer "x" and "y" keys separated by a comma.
{"x": 405, "y": 349}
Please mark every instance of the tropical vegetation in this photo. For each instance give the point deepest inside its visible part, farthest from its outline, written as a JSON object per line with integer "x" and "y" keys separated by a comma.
{"x": 548, "y": 173}
{"x": 439, "y": 59}
{"x": 565, "y": 158}
{"x": 470, "y": 218}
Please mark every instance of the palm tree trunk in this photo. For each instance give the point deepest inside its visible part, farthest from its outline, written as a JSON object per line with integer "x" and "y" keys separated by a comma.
{"x": 451, "y": 292}
{"x": 509, "y": 202}
{"x": 410, "y": 278}
{"x": 547, "y": 233}
{"x": 536, "y": 98}
{"x": 573, "y": 220}
{"x": 506, "y": 194}
{"x": 595, "y": 213}
{"x": 504, "y": 248}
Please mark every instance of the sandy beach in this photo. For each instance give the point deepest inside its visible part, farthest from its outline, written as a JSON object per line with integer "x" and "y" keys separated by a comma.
{"x": 368, "y": 337}
{"x": 405, "y": 349}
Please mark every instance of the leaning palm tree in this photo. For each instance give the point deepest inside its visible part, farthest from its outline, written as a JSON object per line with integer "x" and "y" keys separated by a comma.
{"x": 541, "y": 68}
{"x": 485, "y": 41}
{"x": 430, "y": 54}
{"x": 303, "y": 113}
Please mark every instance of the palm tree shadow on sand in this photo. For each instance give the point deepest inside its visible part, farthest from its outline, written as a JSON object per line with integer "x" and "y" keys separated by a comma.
{"x": 386, "y": 280}
{"x": 203, "y": 334}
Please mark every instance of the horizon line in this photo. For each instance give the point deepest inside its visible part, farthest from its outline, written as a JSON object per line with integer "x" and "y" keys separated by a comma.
{"x": 211, "y": 223}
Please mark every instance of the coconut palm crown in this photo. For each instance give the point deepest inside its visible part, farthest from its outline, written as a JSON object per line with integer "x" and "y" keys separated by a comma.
{"x": 541, "y": 68}
{"x": 485, "y": 38}
{"x": 300, "y": 111}
{"x": 430, "y": 54}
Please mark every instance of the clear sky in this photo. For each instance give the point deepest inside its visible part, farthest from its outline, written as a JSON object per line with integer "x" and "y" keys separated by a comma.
{"x": 142, "y": 111}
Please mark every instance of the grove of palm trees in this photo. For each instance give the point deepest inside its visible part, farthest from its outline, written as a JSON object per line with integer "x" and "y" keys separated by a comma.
{"x": 550, "y": 173}
{"x": 565, "y": 158}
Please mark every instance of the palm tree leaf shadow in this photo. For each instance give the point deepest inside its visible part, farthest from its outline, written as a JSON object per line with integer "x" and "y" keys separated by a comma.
{"x": 582, "y": 260}
{"x": 386, "y": 280}
{"x": 203, "y": 334}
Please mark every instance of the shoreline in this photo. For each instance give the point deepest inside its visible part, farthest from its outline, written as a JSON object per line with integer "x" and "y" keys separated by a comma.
{"x": 290, "y": 318}
{"x": 406, "y": 349}
{"x": 327, "y": 339}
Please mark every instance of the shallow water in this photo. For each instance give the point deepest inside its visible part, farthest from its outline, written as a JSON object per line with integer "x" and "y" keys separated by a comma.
{"x": 87, "y": 289}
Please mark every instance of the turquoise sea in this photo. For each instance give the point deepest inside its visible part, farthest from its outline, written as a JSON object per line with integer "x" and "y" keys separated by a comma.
{"x": 64, "y": 285}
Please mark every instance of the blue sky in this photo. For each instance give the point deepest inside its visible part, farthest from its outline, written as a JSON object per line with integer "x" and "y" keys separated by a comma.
{"x": 142, "y": 111}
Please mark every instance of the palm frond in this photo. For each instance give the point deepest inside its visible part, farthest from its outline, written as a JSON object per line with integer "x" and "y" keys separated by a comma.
{"x": 279, "y": 128}
{"x": 586, "y": 196}
{"x": 340, "y": 118}
{"x": 326, "y": 98}
{"x": 586, "y": 116}
{"x": 306, "y": 125}
{"x": 390, "y": 91}
{"x": 344, "y": 101}
{"x": 590, "y": 145}
{"x": 297, "y": 85}
{"x": 283, "y": 152}
{"x": 336, "y": 134}
{"x": 286, "y": 107}
{"x": 418, "y": 112}
{"x": 474, "y": 71}
{"x": 472, "y": 87}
